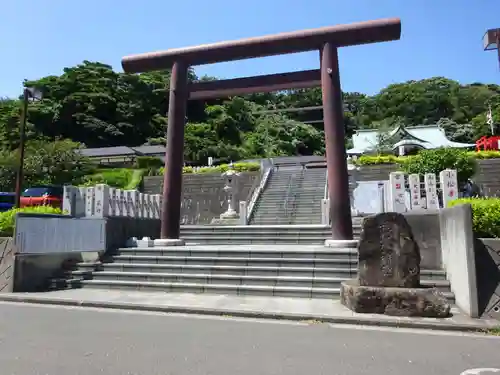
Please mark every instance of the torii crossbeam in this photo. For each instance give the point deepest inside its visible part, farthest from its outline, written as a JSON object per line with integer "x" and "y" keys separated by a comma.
{"x": 327, "y": 40}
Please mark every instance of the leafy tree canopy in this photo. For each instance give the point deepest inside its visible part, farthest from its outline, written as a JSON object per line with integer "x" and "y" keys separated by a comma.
{"x": 92, "y": 105}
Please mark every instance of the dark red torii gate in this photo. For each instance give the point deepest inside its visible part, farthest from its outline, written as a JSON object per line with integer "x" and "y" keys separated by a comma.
{"x": 327, "y": 40}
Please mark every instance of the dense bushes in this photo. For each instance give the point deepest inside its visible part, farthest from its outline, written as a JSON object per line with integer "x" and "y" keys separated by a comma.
{"x": 393, "y": 159}
{"x": 45, "y": 163}
{"x": 379, "y": 159}
{"x": 121, "y": 178}
{"x": 485, "y": 215}
{"x": 8, "y": 218}
{"x": 434, "y": 161}
{"x": 148, "y": 162}
{"x": 239, "y": 167}
{"x": 129, "y": 179}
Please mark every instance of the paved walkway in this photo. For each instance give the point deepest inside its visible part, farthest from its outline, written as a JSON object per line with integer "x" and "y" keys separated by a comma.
{"x": 243, "y": 306}
{"x": 59, "y": 340}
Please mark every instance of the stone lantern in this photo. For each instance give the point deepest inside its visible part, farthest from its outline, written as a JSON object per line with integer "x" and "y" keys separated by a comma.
{"x": 231, "y": 177}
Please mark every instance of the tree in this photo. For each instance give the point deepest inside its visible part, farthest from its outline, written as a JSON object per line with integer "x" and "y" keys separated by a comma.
{"x": 45, "y": 162}
{"x": 93, "y": 105}
{"x": 434, "y": 161}
{"x": 457, "y": 133}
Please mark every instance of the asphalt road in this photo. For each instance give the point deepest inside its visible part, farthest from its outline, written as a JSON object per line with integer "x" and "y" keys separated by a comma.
{"x": 63, "y": 341}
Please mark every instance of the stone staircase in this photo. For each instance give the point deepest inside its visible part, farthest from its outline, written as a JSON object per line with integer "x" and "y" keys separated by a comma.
{"x": 261, "y": 261}
{"x": 306, "y": 271}
{"x": 292, "y": 196}
{"x": 261, "y": 234}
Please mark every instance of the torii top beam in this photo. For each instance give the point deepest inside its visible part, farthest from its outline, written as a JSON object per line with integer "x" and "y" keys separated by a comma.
{"x": 382, "y": 30}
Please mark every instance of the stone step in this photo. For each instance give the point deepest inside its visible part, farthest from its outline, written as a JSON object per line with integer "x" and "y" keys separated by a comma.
{"x": 224, "y": 289}
{"x": 254, "y": 290}
{"x": 341, "y": 262}
{"x": 307, "y": 252}
{"x": 271, "y": 206}
{"x": 315, "y": 218}
{"x": 281, "y": 199}
{"x": 247, "y": 280}
{"x": 256, "y": 234}
{"x": 271, "y": 220}
{"x": 302, "y": 228}
{"x": 312, "y": 271}
{"x": 245, "y": 239}
{"x": 247, "y": 230}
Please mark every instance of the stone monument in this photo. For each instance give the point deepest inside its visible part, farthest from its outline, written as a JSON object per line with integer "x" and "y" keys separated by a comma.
{"x": 389, "y": 273}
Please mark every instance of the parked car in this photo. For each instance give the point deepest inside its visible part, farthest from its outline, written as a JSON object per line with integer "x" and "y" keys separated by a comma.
{"x": 42, "y": 196}
{"x": 7, "y": 201}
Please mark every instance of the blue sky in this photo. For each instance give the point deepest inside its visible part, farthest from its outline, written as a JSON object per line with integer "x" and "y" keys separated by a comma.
{"x": 439, "y": 37}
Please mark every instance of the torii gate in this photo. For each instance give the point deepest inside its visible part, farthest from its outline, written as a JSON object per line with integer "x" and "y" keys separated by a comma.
{"x": 327, "y": 40}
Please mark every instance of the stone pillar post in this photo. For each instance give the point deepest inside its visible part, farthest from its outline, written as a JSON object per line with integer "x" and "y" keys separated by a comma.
{"x": 333, "y": 118}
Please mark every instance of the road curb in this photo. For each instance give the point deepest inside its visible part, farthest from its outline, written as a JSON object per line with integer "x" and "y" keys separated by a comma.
{"x": 441, "y": 326}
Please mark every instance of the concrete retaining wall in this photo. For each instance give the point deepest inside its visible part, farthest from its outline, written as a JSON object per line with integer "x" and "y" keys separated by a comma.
{"x": 48, "y": 245}
{"x": 43, "y": 234}
{"x": 487, "y": 175}
{"x": 426, "y": 231}
{"x": 457, "y": 249}
{"x": 33, "y": 272}
{"x": 487, "y": 258}
{"x": 7, "y": 251}
{"x": 203, "y": 195}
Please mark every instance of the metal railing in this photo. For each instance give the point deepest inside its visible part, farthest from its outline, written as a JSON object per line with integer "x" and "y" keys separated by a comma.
{"x": 287, "y": 196}
{"x": 297, "y": 187}
{"x": 255, "y": 193}
{"x": 325, "y": 193}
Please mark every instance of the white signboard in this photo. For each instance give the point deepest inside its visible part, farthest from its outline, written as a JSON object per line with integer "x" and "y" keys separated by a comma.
{"x": 415, "y": 192}
{"x": 397, "y": 192}
{"x": 431, "y": 191}
{"x": 449, "y": 185}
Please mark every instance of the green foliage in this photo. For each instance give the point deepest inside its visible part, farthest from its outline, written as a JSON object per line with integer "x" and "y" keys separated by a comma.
{"x": 148, "y": 162}
{"x": 121, "y": 178}
{"x": 116, "y": 177}
{"x": 135, "y": 179}
{"x": 93, "y": 105}
{"x": 485, "y": 215}
{"x": 46, "y": 163}
{"x": 8, "y": 218}
{"x": 434, "y": 161}
{"x": 485, "y": 154}
{"x": 379, "y": 159}
{"x": 239, "y": 167}
{"x": 393, "y": 159}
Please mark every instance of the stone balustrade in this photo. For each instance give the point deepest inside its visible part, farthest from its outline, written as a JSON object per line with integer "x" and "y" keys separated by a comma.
{"x": 105, "y": 201}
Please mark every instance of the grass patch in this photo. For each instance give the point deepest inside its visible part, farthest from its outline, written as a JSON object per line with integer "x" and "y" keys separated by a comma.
{"x": 492, "y": 331}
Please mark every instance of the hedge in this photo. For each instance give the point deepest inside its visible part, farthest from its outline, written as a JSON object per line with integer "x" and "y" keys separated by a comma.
{"x": 485, "y": 215}
{"x": 121, "y": 178}
{"x": 392, "y": 159}
{"x": 8, "y": 218}
{"x": 148, "y": 162}
{"x": 239, "y": 167}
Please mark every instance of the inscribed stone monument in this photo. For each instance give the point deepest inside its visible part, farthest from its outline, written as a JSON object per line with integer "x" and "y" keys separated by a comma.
{"x": 389, "y": 273}
{"x": 388, "y": 254}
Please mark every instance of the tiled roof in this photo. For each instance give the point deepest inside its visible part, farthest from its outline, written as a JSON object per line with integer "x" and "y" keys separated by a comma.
{"x": 122, "y": 151}
{"x": 107, "y": 151}
{"x": 148, "y": 150}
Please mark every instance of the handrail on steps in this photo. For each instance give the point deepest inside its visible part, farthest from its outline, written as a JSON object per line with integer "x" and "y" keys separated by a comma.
{"x": 288, "y": 189}
{"x": 256, "y": 192}
{"x": 294, "y": 195}
{"x": 325, "y": 193}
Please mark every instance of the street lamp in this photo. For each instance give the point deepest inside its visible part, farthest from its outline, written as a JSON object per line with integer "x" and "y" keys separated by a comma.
{"x": 491, "y": 41}
{"x": 33, "y": 94}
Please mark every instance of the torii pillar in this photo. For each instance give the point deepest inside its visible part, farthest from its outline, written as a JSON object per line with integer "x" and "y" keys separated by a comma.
{"x": 327, "y": 40}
